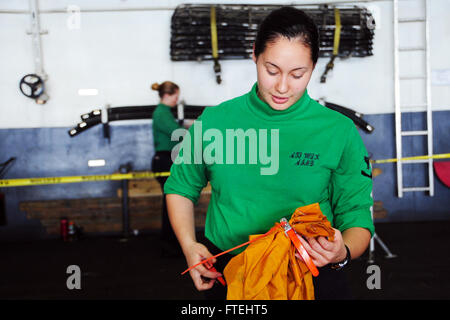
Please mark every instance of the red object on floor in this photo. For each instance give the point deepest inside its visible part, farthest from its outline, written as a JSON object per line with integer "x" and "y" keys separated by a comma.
{"x": 442, "y": 169}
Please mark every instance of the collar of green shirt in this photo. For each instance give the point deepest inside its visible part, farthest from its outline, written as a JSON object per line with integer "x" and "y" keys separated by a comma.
{"x": 265, "y": 111}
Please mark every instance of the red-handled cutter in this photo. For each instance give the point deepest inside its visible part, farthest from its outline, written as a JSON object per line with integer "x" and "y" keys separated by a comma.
{"x": 295, "y": 238}
{"x": 209, "y": 266}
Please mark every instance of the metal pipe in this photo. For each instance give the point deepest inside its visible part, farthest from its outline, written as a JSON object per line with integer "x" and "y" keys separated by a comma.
{"x": 294, "y": 3}
{"x": 91, "y": 10}
{"x": 126, "y": 168}
{"x": 429, "y": 93}
{"x": 398, "y": 121}
{"x": 125, "y": 215}
{"x": 36, "y": 38}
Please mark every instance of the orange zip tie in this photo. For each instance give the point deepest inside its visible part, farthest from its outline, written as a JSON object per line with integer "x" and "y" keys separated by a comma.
{"x": 237, "y": 247}
{"x": 293, "y": 235}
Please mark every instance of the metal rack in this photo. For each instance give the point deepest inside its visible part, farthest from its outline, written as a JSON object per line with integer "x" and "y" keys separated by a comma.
{"x": 237, "y": 25}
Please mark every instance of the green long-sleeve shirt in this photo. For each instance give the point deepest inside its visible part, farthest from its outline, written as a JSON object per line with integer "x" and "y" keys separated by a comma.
{"x": 164, "y": 124}
{"x": 294, "y": 157}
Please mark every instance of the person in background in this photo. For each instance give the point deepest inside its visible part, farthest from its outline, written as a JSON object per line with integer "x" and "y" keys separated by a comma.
{"x": 164, "y": 123}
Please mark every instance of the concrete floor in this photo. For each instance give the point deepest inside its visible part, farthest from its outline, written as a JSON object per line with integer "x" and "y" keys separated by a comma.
{"x": 134, "y": 269}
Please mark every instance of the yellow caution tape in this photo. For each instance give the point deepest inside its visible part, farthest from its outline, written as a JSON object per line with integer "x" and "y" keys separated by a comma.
{"x": 148, "y": 174}
{"x": 337, "y": 31}
{"x": 214, "y": 45}
{"x": 435, "y": 156}
{"x": 75, "y": 179}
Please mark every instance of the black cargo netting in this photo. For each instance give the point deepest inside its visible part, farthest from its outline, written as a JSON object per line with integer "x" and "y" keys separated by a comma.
{"x": 237, "y": 26}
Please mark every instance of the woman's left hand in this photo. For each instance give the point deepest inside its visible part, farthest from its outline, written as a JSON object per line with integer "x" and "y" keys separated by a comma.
{"x": 322, "y": 251}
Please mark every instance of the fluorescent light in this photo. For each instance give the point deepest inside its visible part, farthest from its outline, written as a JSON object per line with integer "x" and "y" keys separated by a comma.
{"x": 87, "y": 92}
{"x": 96, "y": 163}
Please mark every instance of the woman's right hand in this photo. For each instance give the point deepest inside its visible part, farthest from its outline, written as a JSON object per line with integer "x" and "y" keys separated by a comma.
{"x": 195, "y": 253}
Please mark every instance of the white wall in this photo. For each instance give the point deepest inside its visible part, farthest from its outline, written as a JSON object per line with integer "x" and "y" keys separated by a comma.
{"x": 122, "y": 53}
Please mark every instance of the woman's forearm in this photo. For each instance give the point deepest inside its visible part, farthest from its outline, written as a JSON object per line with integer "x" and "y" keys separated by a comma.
{"x": 181, "y": 216}
{"x": 357, "y": 240}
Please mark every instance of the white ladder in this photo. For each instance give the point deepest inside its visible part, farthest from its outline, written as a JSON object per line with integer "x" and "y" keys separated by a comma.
{"x": 425, "y": 105}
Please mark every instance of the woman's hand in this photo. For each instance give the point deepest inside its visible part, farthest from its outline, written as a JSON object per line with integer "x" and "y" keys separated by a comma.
{"x": 181, "y": 215}
{"x": 195, "y": 253}
{"x": 322, "y": 251}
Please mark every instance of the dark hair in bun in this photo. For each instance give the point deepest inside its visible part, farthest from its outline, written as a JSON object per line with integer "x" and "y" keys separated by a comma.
{"x": 290, "y": 23}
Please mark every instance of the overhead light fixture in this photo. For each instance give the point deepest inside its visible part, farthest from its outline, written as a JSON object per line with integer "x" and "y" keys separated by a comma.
{"x": 87, "y": 92}
{"x": 96, "y": 163}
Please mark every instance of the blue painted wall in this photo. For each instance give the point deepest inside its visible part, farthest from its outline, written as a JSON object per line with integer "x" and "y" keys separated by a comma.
{"x": 414, "y": 206}
{"x": 47, "y": 152}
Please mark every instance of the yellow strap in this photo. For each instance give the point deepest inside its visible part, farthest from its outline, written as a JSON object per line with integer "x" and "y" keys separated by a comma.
{"x": 337, "y": 31}
{"x": 214, "y": 45}
{"x": 435, "y": 156}
{"x": 74, "y": 179}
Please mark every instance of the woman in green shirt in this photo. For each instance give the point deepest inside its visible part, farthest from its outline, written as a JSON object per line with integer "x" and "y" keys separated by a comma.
{"x": 316, "y": 156}
{"x": 164, "y": 123}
